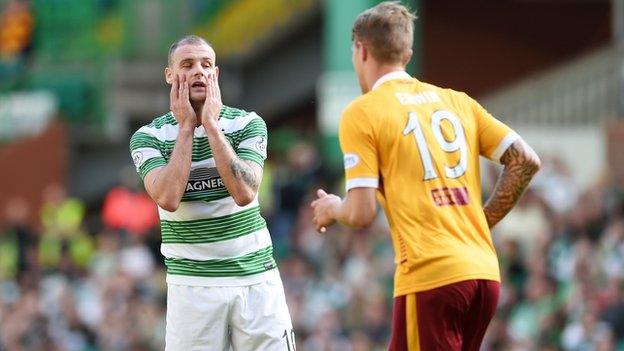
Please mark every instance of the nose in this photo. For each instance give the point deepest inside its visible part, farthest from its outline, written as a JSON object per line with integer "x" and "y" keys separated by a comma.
{"x": 198, "y": 70}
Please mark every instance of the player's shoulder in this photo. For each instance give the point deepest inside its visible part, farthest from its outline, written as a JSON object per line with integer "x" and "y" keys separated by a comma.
{"x": 361, "y": 106}
{"x": 446, "y": 93}
{"x": 234, "y": 119}
{"x": 232, "y": 113}
{"x": 372, "y": 105}
{"x": 158, "y": 124}
{"x": 162, "y": 121}
{"x": 158, "y": 129}
{"x": 452, "y": 96}
{"x": 356, "y": 112}
{"x": 237, "y": 114}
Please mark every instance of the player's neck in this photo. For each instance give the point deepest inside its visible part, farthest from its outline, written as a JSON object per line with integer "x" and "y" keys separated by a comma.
{"x": 381, "y": 70}
{"x": 198, "y": 107}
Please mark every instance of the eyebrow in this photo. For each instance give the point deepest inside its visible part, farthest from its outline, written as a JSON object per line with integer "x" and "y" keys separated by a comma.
{"x": 203, "y": 59}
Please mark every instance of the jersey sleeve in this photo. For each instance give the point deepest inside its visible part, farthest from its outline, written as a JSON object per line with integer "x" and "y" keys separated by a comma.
{"x": 493, "y": 135}
{"x": 253, "y": 141}
{"x": 145, "y": 152}
{"x": 358, "y": 144}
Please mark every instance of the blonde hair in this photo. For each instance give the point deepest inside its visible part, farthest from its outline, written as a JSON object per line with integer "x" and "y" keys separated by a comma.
{"x": 388, "y": 31}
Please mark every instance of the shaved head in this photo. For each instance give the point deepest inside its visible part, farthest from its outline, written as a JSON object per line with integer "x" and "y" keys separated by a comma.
{"x": 187, "y": 40}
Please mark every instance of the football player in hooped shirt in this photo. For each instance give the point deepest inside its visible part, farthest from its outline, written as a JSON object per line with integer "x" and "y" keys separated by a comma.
{"x": 202, "y": 164}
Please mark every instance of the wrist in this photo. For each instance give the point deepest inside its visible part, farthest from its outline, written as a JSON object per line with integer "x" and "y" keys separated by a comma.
{"x": 211, "y": 126}
{"x": 187, "y": 128}
{"x": 335, "y": 208}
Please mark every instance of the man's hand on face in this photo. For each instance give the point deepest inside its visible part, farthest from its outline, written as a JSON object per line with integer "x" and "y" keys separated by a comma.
{"x": 213, "y": 103}
{"x": 180, "y": 103}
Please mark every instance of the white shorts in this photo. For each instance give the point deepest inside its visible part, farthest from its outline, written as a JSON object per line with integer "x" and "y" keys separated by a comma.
{"x": 239, "y": 318}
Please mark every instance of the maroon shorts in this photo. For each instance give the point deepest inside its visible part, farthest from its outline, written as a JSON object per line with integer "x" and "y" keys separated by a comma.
{"x": 452, "y": 317}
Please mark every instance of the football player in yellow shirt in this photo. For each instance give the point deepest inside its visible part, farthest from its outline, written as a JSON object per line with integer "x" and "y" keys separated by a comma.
{"x": 415, "y": 148}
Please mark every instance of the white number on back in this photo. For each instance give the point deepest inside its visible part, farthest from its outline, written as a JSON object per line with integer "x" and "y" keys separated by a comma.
{"x": 457, "y": 144}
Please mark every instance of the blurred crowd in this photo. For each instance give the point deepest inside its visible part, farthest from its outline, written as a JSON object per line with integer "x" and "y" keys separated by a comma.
{"x": 16, "y": 27}
{"x": 90, "y": 277}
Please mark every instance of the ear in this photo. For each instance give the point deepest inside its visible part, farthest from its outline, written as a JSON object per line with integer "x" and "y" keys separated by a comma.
{"x": 217, "y": 72}
{"x": 363, "y": 51}
{"x": 408, "y": 56}
{"x": 168, "y": 75}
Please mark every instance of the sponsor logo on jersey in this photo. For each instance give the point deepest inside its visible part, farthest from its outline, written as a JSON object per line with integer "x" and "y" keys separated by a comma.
{"x": 450, "y": 196}
{"x": 202, "y": 179}
{"x": 351, "y": 160}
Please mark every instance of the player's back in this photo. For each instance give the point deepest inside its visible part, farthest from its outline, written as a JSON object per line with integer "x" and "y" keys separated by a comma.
{"x": 424, "y": 151}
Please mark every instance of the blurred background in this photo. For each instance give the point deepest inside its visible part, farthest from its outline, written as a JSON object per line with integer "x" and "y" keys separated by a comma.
{"x": 80, "y": 267}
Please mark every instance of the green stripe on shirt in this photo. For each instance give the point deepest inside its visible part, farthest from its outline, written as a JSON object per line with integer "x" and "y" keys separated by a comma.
{"x": 150, "y": 164}
{"x": 212, "y": 229}
{"x": 247, "y": 154}
{"x": 252, "y": 263}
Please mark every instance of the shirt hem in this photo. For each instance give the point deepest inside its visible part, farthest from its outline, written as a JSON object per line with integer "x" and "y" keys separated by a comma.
{"x": 221, "y": 281}
{"x": 432, "y": 285}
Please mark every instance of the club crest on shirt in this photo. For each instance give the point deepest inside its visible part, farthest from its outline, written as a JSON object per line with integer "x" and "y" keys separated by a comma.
{"x": 261, "y": 145}
{"x": 351, "y": 160}
{"x": 137, "y": 158}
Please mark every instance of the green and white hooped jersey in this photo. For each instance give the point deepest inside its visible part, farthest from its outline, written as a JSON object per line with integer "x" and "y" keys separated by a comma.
{"x": 209, "y": 240}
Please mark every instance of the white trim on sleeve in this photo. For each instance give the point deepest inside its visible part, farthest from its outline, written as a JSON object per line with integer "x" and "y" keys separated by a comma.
{"x": 362, "y": 183}
{"x": 509, "y": 139}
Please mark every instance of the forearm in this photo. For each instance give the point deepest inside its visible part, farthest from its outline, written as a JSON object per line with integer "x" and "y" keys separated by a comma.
{"x": 506, "y": 194}
{"x": 346, "y": 215}
{"x": 521, "y": 164}
{"x": 239, "y": 178}
{"x": 353, "y": 217}
{"x": 170, "y": 183}
{"x": 357, "y": 210}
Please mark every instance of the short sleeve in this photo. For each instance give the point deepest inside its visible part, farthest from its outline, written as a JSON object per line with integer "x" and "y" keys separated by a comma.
{"x": 145, "y": 151}
{"x": 253, "y": 141}
{"x": 358, "y": 144}
{"x": 494, "y": 136}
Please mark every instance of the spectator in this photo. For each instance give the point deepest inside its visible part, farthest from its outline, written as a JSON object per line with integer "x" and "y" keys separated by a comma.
{"x": 63, "y": 243}
{"x": 16, "y": 26}
{"x": 587, "y": 334}
{"x": 127, "y": 208}
{"x": 17, "y": 241}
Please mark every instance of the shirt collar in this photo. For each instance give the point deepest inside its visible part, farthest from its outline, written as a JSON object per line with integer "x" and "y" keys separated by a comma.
{"x": 391, "y": 76}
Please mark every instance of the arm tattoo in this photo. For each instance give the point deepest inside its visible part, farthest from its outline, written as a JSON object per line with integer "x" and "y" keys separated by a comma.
{"x": 521, "y": 163}
{"x": 244, "y": 172}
